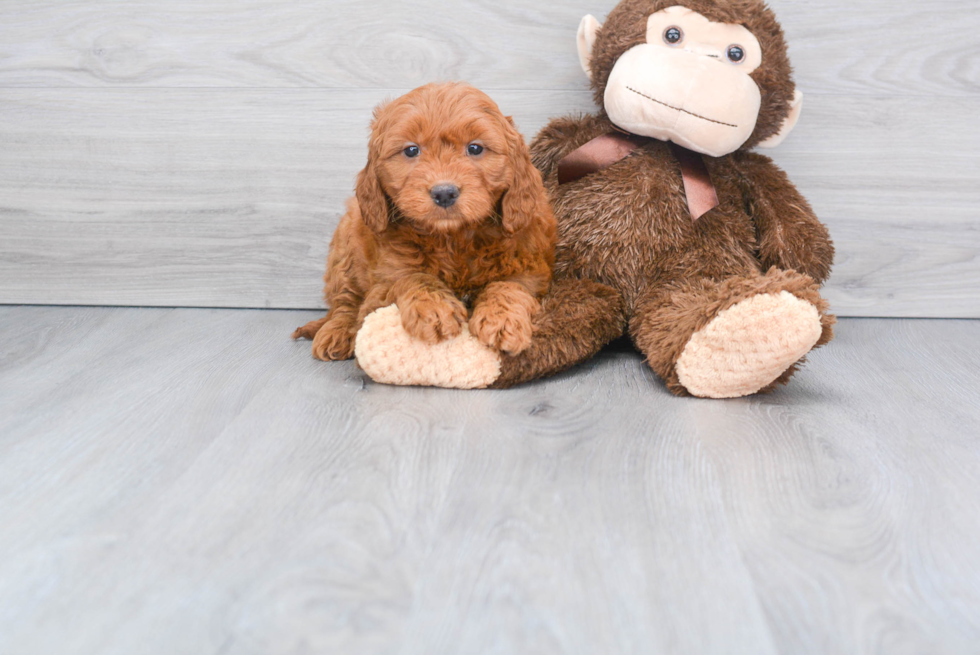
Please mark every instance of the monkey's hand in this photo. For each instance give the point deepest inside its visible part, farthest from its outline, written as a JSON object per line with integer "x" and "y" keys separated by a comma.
{"x": 790, "y": 235}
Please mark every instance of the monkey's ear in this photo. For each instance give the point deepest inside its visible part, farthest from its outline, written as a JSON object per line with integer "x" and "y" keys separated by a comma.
{"x": 795, "y": 107}
{"x": 587, "y": 30}
{"x": 370, "y": 197}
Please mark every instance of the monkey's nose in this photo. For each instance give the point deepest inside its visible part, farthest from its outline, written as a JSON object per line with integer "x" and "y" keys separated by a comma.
{"x": 445, "y": 195}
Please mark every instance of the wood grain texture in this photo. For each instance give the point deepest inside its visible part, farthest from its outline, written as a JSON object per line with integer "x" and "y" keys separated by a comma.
{"x": 838, "y": 47}
{"x": 198, "y": 153}
{"x": 192, "y": 481}
{"x": 228, "y": 197}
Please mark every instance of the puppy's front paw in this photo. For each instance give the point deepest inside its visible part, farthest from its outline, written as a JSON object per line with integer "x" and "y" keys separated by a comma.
{"x": 506, "y": 327}
{"x": 432, "y": 317}
{"x": 333, "y": 341}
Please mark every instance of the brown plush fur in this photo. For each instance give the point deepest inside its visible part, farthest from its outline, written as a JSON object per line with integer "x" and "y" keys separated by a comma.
{"x": 494, "y": 247}
{"x": 628, "y": 225}
{"x": 577, "y": 318}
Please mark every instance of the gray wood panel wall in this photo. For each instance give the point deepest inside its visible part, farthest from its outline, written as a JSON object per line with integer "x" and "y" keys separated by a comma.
{"x": 198, "y": 153}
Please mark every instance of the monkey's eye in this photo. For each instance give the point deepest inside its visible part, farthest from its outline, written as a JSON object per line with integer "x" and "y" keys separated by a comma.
{"x": 412, "y": 151}
{"x": 673, "y": 35}
{"x": 735, "y": 54}
{"x": 474, "y": 149}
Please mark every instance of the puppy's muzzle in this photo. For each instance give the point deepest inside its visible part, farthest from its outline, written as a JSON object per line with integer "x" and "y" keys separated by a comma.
{"x": 445, "y": 195}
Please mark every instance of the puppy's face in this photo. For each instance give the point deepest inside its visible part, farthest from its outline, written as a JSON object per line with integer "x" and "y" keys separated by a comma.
{"x": 443, "y": 155}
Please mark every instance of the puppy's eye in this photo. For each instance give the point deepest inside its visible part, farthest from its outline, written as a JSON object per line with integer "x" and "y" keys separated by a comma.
{"x": 412, "y": 151}
{"x": 673, "y": 35}
{"x": 735, "y": 54}
{"x": 474, "y": 149}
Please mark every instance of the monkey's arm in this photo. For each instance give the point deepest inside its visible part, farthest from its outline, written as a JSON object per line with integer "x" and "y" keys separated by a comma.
{"x": 789, "y": 233}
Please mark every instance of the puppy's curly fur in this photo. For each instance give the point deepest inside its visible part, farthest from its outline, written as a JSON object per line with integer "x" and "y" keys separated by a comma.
{"x": 493, "y": 249}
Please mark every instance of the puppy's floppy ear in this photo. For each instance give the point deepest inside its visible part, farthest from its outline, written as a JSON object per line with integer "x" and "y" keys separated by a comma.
{"x": 526, "y": 191}
{"x": 370, "y": 196}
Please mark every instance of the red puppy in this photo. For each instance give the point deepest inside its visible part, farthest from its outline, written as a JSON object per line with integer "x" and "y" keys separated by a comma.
{"x": 449, "y": 212}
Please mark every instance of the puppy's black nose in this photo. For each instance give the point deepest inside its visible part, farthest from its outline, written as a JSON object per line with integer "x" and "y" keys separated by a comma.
{"x": 445, "y": 195}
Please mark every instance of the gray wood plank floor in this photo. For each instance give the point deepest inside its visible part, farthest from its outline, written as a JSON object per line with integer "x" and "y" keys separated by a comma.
{"x": 190, "y": 481}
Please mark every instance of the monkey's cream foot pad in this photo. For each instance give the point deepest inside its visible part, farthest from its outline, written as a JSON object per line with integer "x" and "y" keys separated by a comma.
{"x": 747, "y": 346}
{"x": 388, "y": 354}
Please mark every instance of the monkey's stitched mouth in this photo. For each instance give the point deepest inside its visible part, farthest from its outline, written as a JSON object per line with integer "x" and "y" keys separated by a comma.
{"x": 684, "y": 111}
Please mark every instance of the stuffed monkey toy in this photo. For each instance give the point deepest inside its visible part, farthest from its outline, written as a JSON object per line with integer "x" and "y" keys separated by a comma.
{"x": 670, "y": 227}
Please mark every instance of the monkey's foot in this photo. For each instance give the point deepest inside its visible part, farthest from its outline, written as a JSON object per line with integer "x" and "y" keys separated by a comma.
{"x": 389, "y": 355}
{"x": 748, "y": 346}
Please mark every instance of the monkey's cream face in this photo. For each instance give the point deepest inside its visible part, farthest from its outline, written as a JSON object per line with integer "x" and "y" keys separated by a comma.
{"x": 689, "y": 83}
